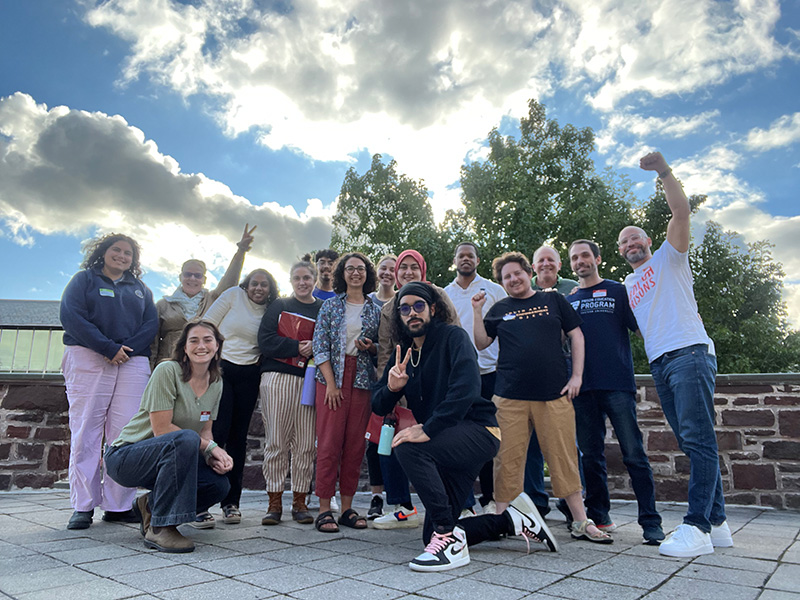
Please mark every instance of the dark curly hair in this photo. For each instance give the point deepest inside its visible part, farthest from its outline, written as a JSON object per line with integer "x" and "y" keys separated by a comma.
{"x": 94, "y": 251}
{"x": 179, "y": 354}
{"x": 441, "y": 313}
{"x": 273, "y": 287}
{"x": 340, "y": 285}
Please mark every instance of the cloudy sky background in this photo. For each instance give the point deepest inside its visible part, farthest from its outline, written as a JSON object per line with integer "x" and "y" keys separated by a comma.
{"x": 179, "y": 121}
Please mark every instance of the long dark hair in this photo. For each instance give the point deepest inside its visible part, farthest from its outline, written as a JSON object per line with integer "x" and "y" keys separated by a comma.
{"x": 179, "y": 354}
{"x": 95, "y": 250}
{"x": 273, "y": 287}
{"x": 441, "y": 313}
{"x": 340, "y": 285}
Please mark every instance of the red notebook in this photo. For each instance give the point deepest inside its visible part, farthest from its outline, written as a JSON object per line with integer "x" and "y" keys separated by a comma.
{"x": 297, "y": 327}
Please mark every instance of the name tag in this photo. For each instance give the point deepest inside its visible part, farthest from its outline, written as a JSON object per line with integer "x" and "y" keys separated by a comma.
{"x": 107, "y": 292}
{"x": 205, "y": 415}
{"x": 599, "y": 294}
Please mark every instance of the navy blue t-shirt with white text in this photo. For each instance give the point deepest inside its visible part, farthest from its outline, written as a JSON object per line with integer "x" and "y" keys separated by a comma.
{"x": 607, "y": 317}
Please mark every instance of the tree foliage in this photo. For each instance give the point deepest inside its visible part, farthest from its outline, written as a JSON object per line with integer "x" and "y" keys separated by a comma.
{"x": 543, "y": 188}
{"x": 382, "y": 211}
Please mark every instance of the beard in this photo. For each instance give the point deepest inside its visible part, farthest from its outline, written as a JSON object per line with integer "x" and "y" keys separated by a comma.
{"x": 417, "y": 332}
{"x": 636, "y": 255}
{"x": 466, "y": 273}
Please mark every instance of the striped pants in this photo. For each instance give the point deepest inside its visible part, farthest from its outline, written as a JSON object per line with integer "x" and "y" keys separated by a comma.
{"x": 289, "y": 427}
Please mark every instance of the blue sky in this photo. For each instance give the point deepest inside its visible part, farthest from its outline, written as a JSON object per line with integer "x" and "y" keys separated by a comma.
{"x": 179, "y": 121}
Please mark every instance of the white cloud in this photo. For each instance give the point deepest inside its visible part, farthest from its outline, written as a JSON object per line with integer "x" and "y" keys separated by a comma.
{"x": 421, "y": 80}
{"x": 782, "y": 132}
{"x": 69, "y": 171}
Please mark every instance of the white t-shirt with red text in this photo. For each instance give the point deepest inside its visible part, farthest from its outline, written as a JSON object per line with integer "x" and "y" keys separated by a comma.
{"x": 661, "y": 296}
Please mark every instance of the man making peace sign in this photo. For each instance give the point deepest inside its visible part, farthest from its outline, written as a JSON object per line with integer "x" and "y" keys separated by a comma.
{"x": 436, "y": 368}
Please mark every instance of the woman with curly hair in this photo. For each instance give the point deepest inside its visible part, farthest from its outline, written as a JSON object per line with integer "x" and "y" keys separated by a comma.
{"x": 238, "y": 313}
{"x": 343, "y": 348}
{"x": 109, "y": 321}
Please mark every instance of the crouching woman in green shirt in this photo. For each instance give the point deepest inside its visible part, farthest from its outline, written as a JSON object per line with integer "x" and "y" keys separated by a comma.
{"x": 167, "y": 447}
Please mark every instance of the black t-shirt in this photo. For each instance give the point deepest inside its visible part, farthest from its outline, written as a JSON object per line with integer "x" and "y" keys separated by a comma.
{"x": 275, "y": 346}
{"x": 530, "y": 362}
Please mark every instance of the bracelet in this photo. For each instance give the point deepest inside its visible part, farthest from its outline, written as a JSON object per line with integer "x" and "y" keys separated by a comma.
{"x": 210, "y": 448}
{"x": 665, "y": 173}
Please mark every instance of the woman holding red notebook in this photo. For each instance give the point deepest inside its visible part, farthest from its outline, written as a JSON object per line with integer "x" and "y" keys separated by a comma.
{"x": 289, "y": 426}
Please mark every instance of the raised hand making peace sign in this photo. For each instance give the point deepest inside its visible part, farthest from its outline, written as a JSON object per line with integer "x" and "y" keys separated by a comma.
{"x": 397, "y": 374}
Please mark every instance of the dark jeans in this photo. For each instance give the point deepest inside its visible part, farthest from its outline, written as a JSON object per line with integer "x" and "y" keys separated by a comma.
{"x": 239, "y": 395}
{"x": 685, "y": 381}
{"x": 374, "y": 465}
{"x": 395, "y": 482}
{"x": 591, "y": 409}
{"x": 171, "y": 466}
{"x": 443, "y": 470}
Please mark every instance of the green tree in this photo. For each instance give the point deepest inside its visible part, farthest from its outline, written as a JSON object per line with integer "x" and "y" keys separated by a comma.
{"x": 382, "y": 211}
{"x": 543, "y": 188}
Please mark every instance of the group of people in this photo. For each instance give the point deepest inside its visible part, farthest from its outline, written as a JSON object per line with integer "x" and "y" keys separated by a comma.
{"x": 477, "y": 381}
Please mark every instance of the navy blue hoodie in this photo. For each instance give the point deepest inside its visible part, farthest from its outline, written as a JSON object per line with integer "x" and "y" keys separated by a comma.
{"x": 101, "y": 315}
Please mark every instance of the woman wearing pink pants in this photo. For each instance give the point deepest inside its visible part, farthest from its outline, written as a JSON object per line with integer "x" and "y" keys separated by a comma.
{"x": 109, "y": 322}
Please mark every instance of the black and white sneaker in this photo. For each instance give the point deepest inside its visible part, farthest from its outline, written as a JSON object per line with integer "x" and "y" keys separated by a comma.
{"x": 375, "y": 508}
{"x": 529, "y": 524}
{"x": 444, "y": 552}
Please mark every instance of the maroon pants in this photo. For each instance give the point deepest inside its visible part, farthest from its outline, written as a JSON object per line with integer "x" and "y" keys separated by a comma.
{"x": 340, "y": 436}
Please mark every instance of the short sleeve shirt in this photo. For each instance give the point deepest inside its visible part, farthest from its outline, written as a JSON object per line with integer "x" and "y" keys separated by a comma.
{"x": 166, "y": 390}
{"x": 530, "y": 362}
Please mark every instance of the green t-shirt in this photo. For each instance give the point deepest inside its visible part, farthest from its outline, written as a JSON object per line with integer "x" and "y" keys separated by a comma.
{"x": 166, "y": 390}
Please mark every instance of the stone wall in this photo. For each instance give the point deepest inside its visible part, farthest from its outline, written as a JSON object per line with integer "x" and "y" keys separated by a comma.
{"x": 758, "y": 429}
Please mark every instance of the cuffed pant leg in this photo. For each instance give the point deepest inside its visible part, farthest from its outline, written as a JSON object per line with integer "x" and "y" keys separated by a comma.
{"x": 167, "y": 465}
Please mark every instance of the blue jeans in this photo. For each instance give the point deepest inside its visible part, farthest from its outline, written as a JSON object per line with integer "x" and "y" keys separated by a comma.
{"x": 685, "y": 380}
{"x": 591, "y": 409}
{"x": 171, "y": 466}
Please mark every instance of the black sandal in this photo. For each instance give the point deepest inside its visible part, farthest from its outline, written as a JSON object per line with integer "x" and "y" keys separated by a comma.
{"x": 352, "y": 519}
{"x": 326, "y": 518}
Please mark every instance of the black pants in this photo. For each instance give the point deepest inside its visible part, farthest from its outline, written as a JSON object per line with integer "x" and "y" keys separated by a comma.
{"x": 239, "y": 395}
{"x": 443, "y": 470}
{"x": 486, "y": 475}
{"x": 374, "y": 465}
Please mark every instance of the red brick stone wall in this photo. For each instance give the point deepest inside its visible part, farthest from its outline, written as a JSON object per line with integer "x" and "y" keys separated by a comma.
{"x": 758, "y": 430}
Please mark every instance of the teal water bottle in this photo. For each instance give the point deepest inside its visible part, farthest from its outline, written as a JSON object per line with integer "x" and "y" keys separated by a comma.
{"x": 385, "y": 443}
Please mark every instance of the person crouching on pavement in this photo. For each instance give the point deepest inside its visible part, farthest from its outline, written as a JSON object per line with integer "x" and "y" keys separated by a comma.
{"x": 456, "y": 430}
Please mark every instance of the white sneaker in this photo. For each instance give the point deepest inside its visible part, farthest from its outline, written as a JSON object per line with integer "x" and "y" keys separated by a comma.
{"x": 334, "y": 504}
{"x": 529, "y": 524}
{"x": 399, "y": 518}
{"x": 490, "y": 508}
{"x": 721, "y": 536}
{"x": 443, "y": 552}
{"x": 467, "y": 513}
{"x": 686, "y": 541}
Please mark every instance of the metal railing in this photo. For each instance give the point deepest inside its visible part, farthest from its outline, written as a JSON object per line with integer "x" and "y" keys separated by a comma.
{"x": 31, "y": 349}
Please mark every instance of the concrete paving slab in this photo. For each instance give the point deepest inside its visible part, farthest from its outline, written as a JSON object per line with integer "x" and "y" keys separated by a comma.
{"x": 20, "y": 583}
{"x": 349, "y": 589}
{"x": 580, "y": 589}
{"x": 167, "y": 578}
{"x": 468, "y": 588}
{"x": 635, "y": 571}
{"x": 786, "y": 578}
{"x": 723, "y": 575}
{"x": 102, "y": 589}
{"x": 346, "y": 565}
{"x": 92, "y": 554}
{"x": 222, "y": 589}
{"x": 526, "y": 580}
{"x": 289, "y": 579}
{"x": 400, "y": 577}
{"x": 696, "y": 589}
{"x": 239, "y": 565}
{"x": 776, "y": 595}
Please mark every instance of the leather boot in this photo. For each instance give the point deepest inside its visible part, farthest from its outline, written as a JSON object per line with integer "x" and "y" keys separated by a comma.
{"x": 167, "y": 539}
{"x": 273, "y": 516}
{"x": 300, "y": 510}
{"x": 142, "y": 510}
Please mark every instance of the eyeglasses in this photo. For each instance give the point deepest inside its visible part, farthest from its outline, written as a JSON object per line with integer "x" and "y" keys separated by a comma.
{"x": 418, "y": 307}
{"x": 634, "y": 238}
{"x": 351, "y": 269}
{"x": 188, "y": 274}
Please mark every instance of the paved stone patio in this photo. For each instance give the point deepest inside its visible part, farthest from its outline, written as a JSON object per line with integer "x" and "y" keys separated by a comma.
{"x": 40, "y": 559}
